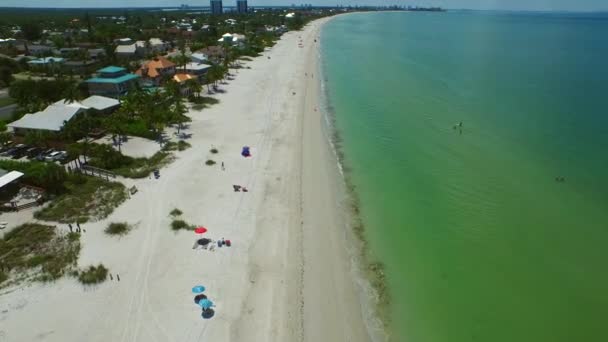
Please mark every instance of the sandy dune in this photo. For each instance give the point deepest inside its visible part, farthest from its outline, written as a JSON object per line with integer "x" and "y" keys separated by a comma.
{"x": 287, "y": 276}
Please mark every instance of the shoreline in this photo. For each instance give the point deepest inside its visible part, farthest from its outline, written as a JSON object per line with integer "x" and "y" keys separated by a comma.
{"x": 367, "y": 272}
{"x": 290, "y": 274}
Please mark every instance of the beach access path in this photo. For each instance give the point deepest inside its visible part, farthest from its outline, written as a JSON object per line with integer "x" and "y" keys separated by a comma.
{"x": 287, "y": 275}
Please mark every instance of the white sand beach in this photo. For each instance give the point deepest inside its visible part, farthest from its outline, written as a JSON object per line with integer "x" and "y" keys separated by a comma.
{"x": 287, "y": 275}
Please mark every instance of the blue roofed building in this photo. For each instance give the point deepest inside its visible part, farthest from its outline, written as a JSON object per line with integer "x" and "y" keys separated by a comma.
{"x": 112, "y": 81}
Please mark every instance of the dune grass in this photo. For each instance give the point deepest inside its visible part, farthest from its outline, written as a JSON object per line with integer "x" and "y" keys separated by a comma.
{"x": 87, "y": 198}
{"x": 210, "y": 162}
{"x": 37, "y": 251}
{"x": 93, "y": 275}
{"x": 118, "y": 228}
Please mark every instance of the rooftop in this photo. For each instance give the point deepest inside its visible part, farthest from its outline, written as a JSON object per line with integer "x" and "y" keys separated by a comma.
{"x": 197, "y": 66}
{"x": 179, "y": 78}
{"x": 114, "y": 80}
{"x": 50, "y": 119}
{"x": 111, "y": 69}
{"x": 47, "y": 60}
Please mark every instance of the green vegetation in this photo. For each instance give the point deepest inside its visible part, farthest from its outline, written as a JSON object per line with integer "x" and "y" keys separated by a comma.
{"x": 37, "y": 251}
{"x": 106, "y": 157}
{"x": 93, "y": 275}
{"x": 34, "y": 95}
{"x": 210, "y": 162}
{"x": 175, "y": 212}
{"x": 214, "y": 150}
{"x": 48, "y": 176}
{"x": 6, "y": 101}
{"x": 86, "y": 198}
{"x": 180, "y": 224}
{"x": 182, "y": 145}
{"x": 118, "y": 228}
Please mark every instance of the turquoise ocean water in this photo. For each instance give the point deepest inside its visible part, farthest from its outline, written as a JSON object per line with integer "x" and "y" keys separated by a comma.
{"x": 479, "y": 240}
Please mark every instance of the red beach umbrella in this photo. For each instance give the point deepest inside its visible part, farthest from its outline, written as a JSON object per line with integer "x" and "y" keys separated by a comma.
{"x": 200, "y": 230}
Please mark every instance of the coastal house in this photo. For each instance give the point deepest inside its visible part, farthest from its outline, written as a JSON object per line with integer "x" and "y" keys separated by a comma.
{"x": 213, "y": 53}
{"x": 53, "y": 118}
{"x": 181, "y": 79}
{"x": 157, "y": 45}
{"x": 137, "y": 49}
{"x": 112, "y": 81}
{"x": 156, "y": 70}
{"x": 96, "y": 54}
{"x": 199, "y": 57}
{"x": 232, "y": 38}
{"x": 79, "y": 67}
{"x": 197, "y": 70}
{"x": 46, "y": 61}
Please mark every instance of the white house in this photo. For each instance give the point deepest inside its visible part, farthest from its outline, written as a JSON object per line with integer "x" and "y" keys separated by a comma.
{"x": 158, "y": 45}
{"x": 199, "y": 57}
{"x": 54, "y": 117}
{"x": 232, "y": 38}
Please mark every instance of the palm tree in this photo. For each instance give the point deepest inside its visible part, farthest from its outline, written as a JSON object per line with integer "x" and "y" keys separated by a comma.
{"x": 194, "y": 86}
{"x": 115, "y": 124}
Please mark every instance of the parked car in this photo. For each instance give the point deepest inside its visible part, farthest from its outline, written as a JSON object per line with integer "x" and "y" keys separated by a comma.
{"x": 54, "y": 156}
{"x": 32, "y": 152}
{"x": 11, "y": 152}
{"x": 42, "y": 156}
{"x": 20, "y": 152}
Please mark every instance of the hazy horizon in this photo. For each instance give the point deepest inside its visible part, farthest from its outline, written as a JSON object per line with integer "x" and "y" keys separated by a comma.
{"x": 513, "y": 5}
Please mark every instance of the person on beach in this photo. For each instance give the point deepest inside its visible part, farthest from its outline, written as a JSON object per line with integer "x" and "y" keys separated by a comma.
{"x": 111, "y": 278}
{"x": 78, "y": 225}
{"x": 117, "y": 277}
{"x": 70, "y": 225}
{"x": 223, "y": 168}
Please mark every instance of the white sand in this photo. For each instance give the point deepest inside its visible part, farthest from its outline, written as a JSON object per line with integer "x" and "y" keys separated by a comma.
{"x": 287, "y": 276}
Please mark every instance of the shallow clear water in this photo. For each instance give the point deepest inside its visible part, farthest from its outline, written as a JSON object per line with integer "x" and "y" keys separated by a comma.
{"x": 479, "y": 240}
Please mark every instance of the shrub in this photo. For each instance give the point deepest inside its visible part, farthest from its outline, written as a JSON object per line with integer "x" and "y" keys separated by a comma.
{"x": 117, "y": 228}
{"x": 210, "y": 162}
{"x": 48, "y": 176}
{"x": 93, "y": 275}
{"x": 179, "y": 224}
{"x": 86, "y": 198}
{"x": 38, "y": 249}
{"x": 214, "y": 150}
{"x": 138, "y": 128}
{"x": 175, "y": 212}
{"x": 182, "y": 145}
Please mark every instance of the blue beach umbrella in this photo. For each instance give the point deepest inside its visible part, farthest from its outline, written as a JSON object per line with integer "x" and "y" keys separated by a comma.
{"x": 198, "y": 289}
{"x": 205, "y": 304}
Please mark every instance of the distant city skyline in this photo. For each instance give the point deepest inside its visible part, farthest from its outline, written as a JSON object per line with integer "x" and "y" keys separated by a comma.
{"x": 524, "y": 5}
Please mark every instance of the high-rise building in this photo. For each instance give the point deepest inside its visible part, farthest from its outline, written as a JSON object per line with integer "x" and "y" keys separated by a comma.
{"x": 241, "y": 6}
{"x": 216, "y": 7}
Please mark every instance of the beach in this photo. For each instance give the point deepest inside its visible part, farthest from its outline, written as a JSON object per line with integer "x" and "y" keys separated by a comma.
{"x": 288, "y": 275}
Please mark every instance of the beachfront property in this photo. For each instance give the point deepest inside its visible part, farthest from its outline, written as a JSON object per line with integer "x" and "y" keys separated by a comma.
{"x": 198, "y": 70}
{"x": 232, "y": 38}
{"x": 46, "y": 62}
{"x": 112, "y": 81}
{"x": 53, "y": 118}
{"x": 213, "y": 53}
{"x": 156, "y": 70}
{"x": 181, "y": 79}
{"x": 216, "y": 7}
{"x": 241, "y": 6}
{"x": 199, "y": 57}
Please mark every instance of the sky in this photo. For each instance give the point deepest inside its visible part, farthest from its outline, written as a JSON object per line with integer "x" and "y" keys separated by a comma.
{"x": 525, "y": 5}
